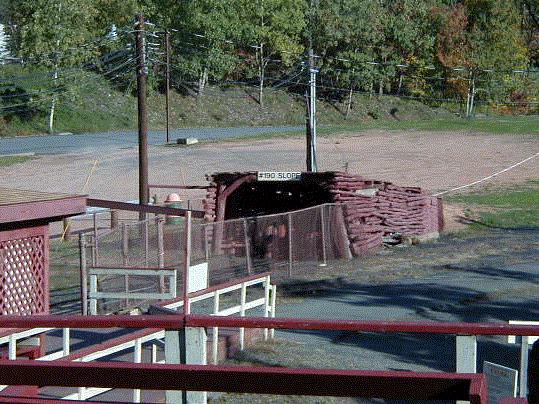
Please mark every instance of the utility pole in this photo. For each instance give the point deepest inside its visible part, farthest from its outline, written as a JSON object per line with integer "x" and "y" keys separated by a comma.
{"x": 142, "y": 77}
{"x": 311, "y": 105}
{"x": 167, "y": 91}
{"x": 311, "y": 132}
{"x": 309, "y": 154}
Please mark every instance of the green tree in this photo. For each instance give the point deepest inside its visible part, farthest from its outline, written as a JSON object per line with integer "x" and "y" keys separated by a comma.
{"x": 345, "y": 35}
{"x": 202, "y": 29}
{"x": 273, "y": 29}
{"x": 52, "y": 33}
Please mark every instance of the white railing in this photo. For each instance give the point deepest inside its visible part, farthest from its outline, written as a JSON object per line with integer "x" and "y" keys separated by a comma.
{"x": 94, "y": 294}
{"x": 267, "y": 302}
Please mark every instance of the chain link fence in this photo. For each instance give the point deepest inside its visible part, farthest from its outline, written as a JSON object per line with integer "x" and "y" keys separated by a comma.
{"x": 303, "y": 244}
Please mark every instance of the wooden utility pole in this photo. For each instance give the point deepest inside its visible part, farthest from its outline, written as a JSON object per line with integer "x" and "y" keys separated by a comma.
{"x": 142, "y": 78}
{"x": 167, "y": 90}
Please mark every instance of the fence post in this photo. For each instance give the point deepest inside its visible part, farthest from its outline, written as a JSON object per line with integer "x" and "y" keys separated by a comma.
{"x": 160, "y": 251}
{"x": 267, "y": 303}
{"x": 323, "y": 231}
{"x": 12, "y": 347}
{"x": 146, "y": 242}
{"x": 125, "y": 243}
{"x": 290, "y": 259}
{"x": 466, "y": 354}
{"x": 137, "y": 358}
{"x": 273, "y": 302}
{"x": 247, "y": 247}
{"x": 113, "y": 219}
{"x": 83, "y": 275}
{"x": 243, "y": 298}
{"x": 206, "y": 245}
{"x": 215, "y": 336}
{"x": 65, "y": 342}
{"x": 186, "y": 346}
{"x": 93, "y": 290}
{"x": 187, "y": 263}
{"x": 523, "y": 385}
{"x": 96, "y": 242}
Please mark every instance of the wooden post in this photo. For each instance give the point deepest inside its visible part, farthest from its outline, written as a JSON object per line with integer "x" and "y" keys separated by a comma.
{"x": 243, "y": 298}
{"x": 160, "y": 251}
{"x": 267, "y": 302}
{"x": 290, "y": 257}
{"x": 273, "y": 303}
{"x": 96, "y": 242}
{"x": 93, "y": 290}
{"x": 65, "y": 342}
{"x": 142, "y": 77}
{"x": 137, "y": 358}
{"x": 323, "y": 231}
{"x": 113, "y": 219}
{"x": 215, "y": 340}
{"x": 247, "y": 247}
{"x": 186, "y": 346}
{"x": 83, "y": 275}
{"x": 146, "y": 243}
{"x": 125, "y": 243}
{"x": 523, "y": 382}
{"x": 187, "y": 263}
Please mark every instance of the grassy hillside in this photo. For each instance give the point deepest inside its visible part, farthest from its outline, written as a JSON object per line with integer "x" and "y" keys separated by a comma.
{"x": 89, "y": 103}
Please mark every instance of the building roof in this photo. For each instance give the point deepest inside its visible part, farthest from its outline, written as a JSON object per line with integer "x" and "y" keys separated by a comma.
{"x": 18, "y": 205}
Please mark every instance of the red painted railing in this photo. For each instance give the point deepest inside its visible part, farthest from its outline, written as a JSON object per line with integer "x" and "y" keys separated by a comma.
{"x": 171, "y": 322}
{"x": 259, "y": 380}
{"x": 354, "y": 383}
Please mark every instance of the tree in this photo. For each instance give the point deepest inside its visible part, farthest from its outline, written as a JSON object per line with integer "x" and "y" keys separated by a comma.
{"x": 484, "y": 38}
{"x": 52, "y": 34}
{"x": 345, "y": 35}
{"x": 200, "y": 41}
{"x": 273, "y": 29}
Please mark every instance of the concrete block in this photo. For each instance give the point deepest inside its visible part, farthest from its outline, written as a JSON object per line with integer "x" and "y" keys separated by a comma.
{"x": 187, "y": 141}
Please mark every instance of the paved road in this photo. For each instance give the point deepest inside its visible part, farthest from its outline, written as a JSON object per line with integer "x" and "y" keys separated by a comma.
{"x": 458, "y": 294}
{"x": 63, "y": 144}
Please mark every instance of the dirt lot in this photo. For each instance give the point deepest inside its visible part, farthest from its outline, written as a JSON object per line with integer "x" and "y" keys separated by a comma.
{"x": 434, "y": 161}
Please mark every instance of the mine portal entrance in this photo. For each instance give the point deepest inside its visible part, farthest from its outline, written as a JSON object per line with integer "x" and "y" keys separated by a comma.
{"x": 260, "y": 198}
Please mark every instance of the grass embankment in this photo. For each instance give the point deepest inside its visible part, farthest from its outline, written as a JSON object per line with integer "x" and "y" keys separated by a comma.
{"x": 88, "y": 102}
{"x": 509, "y": 208}
{"x": 6, "y": 161}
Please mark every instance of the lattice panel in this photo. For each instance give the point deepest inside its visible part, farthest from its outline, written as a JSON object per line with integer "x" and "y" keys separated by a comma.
{"x": 22, "y": 277}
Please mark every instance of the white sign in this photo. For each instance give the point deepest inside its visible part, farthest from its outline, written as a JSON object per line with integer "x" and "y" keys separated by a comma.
{"x": 198, "y": 277}
{"x": 279, "y": 176}
{"x": 501, "y": 382}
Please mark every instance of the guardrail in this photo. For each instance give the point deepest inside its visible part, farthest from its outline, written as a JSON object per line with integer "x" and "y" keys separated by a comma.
{"x": 385, "y": 385}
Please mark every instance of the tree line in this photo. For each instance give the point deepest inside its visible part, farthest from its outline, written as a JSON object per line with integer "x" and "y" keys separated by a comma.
{"x": 432, "y": 49}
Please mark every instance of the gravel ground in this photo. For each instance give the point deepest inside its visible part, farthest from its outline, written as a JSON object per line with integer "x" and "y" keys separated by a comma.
{"x": 487, "y": 277}
{"x": 434, "y": 161}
